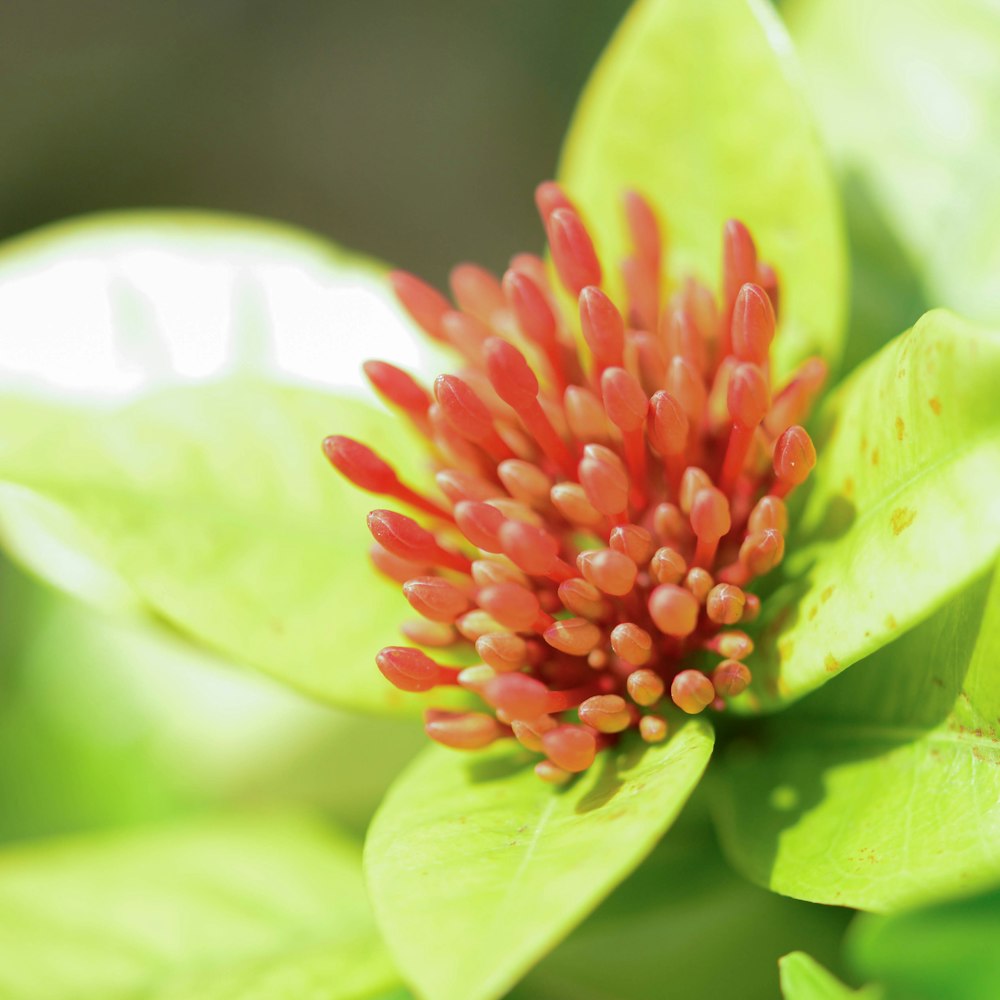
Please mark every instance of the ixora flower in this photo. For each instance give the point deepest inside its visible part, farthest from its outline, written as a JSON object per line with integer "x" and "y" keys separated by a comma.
{"x": 617, "y": 506}
{"x": 622, "y": 517}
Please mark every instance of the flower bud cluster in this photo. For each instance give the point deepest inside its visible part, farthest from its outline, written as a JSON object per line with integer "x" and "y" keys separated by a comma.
{"x": 611, "y": 483}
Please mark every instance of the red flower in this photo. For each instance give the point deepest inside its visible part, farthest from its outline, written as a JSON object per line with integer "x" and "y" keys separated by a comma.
{"x": 608, "y": 502}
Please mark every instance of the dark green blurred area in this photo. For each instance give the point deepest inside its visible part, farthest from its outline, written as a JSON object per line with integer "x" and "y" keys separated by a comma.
{"x": 412, "y": 131}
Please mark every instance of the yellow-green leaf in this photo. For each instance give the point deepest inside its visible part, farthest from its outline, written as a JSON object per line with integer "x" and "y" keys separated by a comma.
{"x": 241, "y": 906}
{"x": 698, "y": 106}
{"x": 900, "y": 512}
{"x": 883, "y": 788}
{"x": 477, "y": 868}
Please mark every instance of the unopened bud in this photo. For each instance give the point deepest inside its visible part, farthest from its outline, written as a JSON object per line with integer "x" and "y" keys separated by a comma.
{"x": 710, "y": 514}
{"x": 633, "y": 541}
{"x": 667, "y": 566}
{"x": 531, "y": 308}
{"x": 502, "y": 651}
{"x": 769, "y": 512}
{"x": 645, "y": 687}
{"x": 693, "y": 482}
{"x": 603, "y": 327}
{"x": 570, "y": 499}
{"x": 653, "y": 729}
{"x": 397, "y": 387}
{"x": 520, "y": 696}
{"x": 794, "y": 456}
{"x": 610, "y": 571}
{"x": 428, "y": 633}
{"x": 529, "y": 733}
{"x": 359, "y": 464}
{"x": 409, "y": 669}
{"x": 692, "y": 692}
{"x": 488, "y": 572}
{"x": 435, "y": 598}
{"x": 699, "y": 581}
{"x": 582, "y": 598}
{"x": 624, "y": 401}
{"x": 575, "y": 636}
{"x": 731, "y": 645}
{"x": 572, "y": 748}
{"x": 513, "y": 606}
{"x": 572, "y": 250}
{"x": 667, "y": 424}
{"x": 730, "y": 678}
{"x": 476, "y": 291}
{"x": 463, "y": 409}
{"x": 604, "y": 480}
{"x": 524, "y": 481}
{"x": 761, "y": 551}
{"x": 674, "y": 610}
{"x": 476, "y": 623}
{"x": 753, "y": 324}
{"x": 585, "y": 415}
{"x": 425, "y": 305}
{"x": 607, "y": 713}
{"x": 480, "y": 523}
{"x": 725, "y": 604}
{"x": 631, "y": 643}
{"x": 510, "y": 374}
{"x": 462, "y": 730}
{"x": 531, "y": 549}
{"x": 458, "y": 485}
{"x": 749, "y": 397}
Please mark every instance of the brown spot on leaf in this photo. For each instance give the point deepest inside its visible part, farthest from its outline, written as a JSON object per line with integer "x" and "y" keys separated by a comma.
{"x": 849, "y": 487}
{"x": 901, "y": 374}
{"x": 935, "y": 405}
{"x": 937, "y": 682}
{"x": 874, "y": 456}
{"x": 785, "y": 647}
{"x": 813, "y": 611}
{"x": 901, "y": 519}
{"x": 900, "y": 428}
{"x": 827, "y": 594}
{"x": 831, "y": 663}
{"x": 890, "y": 622}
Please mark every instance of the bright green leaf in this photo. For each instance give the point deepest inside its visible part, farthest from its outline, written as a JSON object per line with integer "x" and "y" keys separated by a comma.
{"x": 507, "y": 865}
{"x": 907, "y": 93}
{"x": 237, "y": 907}
{"x": 180, "y": 472}
{"x": 948, "y": 950}
{"x": 803, "y": 978}
{"x": 215, "y": 503}
{"x": 900, "y": 511}
{"x": 883, "y": 788}
{"x": 684, "y": 925}
{"x": 697, "y": 105}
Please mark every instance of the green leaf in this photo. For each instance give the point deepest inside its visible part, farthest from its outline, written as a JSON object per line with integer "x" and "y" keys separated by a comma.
{"x": 239, "y": 906}
{"x": 156, "y": 484}
{"x": 507, "y": 865}
{"x": 948, "y": 950}
{"x": 697, "y": 105}
{"x": 78, "y": 687}
{"x": 900, "y": 511}
{"x": 684, "y": 918}
{"x": 881, "y": 789}
{"x": 907, "y": 95}
{"x": 803, "y": 978}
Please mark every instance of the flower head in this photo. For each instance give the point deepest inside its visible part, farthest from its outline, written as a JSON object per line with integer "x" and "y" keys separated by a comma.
{"x": 613, "y": 480}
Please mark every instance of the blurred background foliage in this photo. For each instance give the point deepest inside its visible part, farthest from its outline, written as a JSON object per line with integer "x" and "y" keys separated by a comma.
{"x": 413, "y": 132}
